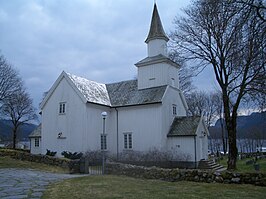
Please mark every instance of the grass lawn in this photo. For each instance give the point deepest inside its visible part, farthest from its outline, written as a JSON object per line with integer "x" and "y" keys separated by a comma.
{"x": 125, "y": 187}
{"x": 7, "y": 162}
{"x": 242, "y": 167}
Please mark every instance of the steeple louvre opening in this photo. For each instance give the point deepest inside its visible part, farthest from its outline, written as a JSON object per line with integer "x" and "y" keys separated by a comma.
{"x": 156, "y": 28}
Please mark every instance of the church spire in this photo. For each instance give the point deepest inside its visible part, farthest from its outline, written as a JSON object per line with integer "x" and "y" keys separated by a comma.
{"x": 156, "y": 28}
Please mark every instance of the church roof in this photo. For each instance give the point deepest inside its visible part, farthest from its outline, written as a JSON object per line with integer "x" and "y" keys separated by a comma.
{"x": 36, "y": 132}
{"x": 126, "y": 93}
{"x": 184, "y": 126}
{"x": 156, "y": 28}
{"x": 92, "y": 91}
{"x": 118, "y": 94}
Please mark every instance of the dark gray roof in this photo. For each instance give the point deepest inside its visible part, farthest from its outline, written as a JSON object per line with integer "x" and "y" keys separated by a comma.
{"x": 126, "y": 93}
{"x": 156, "y": 59}
{"x": 184, "y": 126}
{"x": 156, "y": 28}
{"x": 37, "y": 132}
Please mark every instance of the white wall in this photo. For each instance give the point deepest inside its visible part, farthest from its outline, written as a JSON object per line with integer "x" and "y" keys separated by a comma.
{"x": 157, "y": 75}
{"x": 91, "y": 137}
{"x": 171, "y": 97}
{"x": 182, "y": 147}
{"x": 33, "y": 148}
{"x": 144, "y": 122}
{"x": 81, "y": 125}
{"x": 156, "y": 47}
{"x": 70, "y": 124}
{"x": 202, "y": 142}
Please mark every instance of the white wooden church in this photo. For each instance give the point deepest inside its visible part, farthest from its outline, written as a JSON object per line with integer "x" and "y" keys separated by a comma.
{"x": 146, "y": 114}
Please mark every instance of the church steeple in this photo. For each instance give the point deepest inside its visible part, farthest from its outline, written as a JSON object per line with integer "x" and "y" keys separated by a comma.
{"x": 156, "y": 28}
{"x": 157, "y": 39}
{"x": 157, "y": 69}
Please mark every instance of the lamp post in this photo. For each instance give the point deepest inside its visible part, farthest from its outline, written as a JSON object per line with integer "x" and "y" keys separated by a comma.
{"x": 104, "y": 114}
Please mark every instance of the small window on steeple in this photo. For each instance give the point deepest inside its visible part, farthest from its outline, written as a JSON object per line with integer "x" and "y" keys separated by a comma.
{"x": 174, "y": 109}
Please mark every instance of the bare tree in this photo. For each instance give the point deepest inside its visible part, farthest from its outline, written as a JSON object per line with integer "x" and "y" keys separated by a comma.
{"x": 212, "y": 106}
{"x": 202, "y": 103}
{"x": 258, "y": 6}
{"x": 230, "y": 37}
{"x": 196, "y": 101}
{"x": 20, "y": 110}
{"x": 10, "y": 82}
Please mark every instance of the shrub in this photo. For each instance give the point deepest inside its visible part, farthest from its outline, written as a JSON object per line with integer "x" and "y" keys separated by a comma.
{"x": 50, "y": 153}
{"x": 152, "y": 155}
{"x": 95, "y": 156}
{"x": 72, "y": 156}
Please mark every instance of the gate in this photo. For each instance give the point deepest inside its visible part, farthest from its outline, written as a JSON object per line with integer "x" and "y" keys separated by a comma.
{"x": 93, "y": 167}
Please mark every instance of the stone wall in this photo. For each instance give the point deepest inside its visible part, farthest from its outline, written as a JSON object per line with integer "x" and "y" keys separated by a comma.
{"x": 164, "y": 164}
{"x": 185, "y": 174}
{"x": 73, "y": 166}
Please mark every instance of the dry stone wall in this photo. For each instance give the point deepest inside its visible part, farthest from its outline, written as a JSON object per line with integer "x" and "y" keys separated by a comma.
{"x": 72, "y": 165}
{"x": 146, "y": 172}
{"x": 186, "y": 174}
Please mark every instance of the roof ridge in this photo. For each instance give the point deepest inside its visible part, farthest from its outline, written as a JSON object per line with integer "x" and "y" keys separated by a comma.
{"x": 71, "y": 75}
{"x": 122, "y": 81}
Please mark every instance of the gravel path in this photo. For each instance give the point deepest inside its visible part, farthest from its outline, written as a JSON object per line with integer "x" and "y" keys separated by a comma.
{"x": 26, "y": 183}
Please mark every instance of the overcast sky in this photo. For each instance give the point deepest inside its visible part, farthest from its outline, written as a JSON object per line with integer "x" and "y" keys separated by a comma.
{"x": 97, "y": 39}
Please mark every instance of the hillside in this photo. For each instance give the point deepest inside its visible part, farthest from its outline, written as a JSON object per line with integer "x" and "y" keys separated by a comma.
{"x": 6, "y": 130}
{"x": 248, "y": 126}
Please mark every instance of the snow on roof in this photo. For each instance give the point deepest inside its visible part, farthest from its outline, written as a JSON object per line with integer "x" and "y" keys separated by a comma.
{"x": 94, "y": 92}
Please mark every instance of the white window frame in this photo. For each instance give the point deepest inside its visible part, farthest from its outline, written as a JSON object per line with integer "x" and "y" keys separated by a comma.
{"x": 62, "y": 108}
{"x": 36, "y": 142}
{"x": 174, "y": 109}
{"x": 104, "y": 142}
{"x": 128, "y": 141}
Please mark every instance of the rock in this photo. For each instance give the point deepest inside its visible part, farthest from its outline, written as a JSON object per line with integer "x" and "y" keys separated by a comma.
{"x": 196, "y": 178}
{"x": 209, "y": 180}
{"x": 217, "y": 173}
{"x": 219, "y": 179}
{"x": 227, "y": 181}
{"x": 235, "y": 180}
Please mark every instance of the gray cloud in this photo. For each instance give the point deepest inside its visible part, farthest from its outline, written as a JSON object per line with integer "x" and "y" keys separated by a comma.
{"x": 99, "y": 40}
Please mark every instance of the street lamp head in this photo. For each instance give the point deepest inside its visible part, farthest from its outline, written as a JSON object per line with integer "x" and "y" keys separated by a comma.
{"x": 104, "y": 114}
